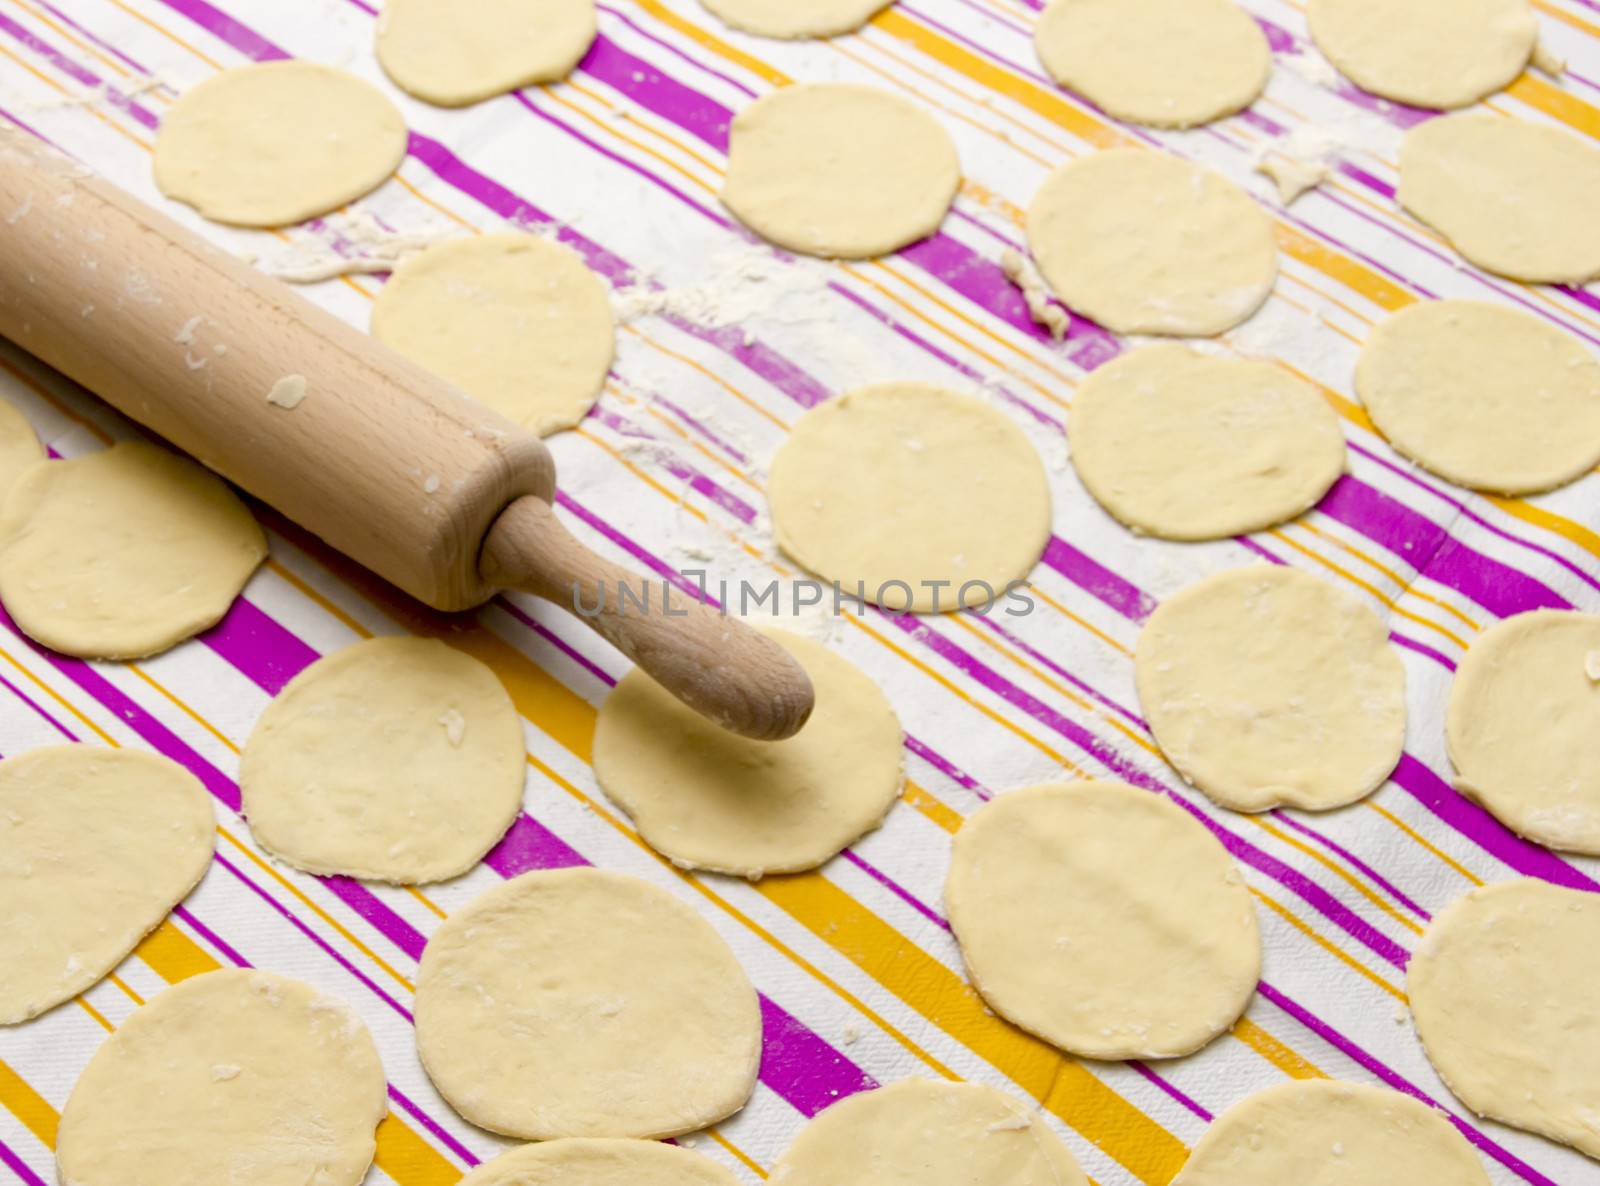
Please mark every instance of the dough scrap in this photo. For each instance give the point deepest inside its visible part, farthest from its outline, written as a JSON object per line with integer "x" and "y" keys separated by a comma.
{"x": 1333, "y": 1134}
{"x": 453, "y": 54}
{"x": 1514, "y": 197}
{"x": 710, "y": 799}
{"x": 1428, "y": 53}
{"x": 1165, "y": 63}
{"x": 1186, "y": 446}
{"x": 123, "y": 553}
{"x": 1142, "y": 242}
{"x": 1523, "y": 727}
{"x": 583, "y": 1003}
{"x": 1265, "y": 687}
{"x": 19, "y": 447}
{"x": 956, "y": 494}
{"x": 1484, "y": 396}
{"x": 790, "y": 21}
{"x": 229, "y": 1076}
{"x": 277, "y": 143}
{"x": 1070, "y": 931}
{"x": 397, "y": 759}
{"x": 1502, "y": 992}
{"x": 839, "y": 170}
{"x": 588, "y": 1162}
{"x": 96, "y": 846}
{"x": 514, "y": 320}
{"x": 923, "y": 1133}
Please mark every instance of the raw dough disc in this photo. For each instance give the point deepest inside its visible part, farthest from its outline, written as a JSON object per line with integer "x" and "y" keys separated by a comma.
{"x": 1502, "y": 992}
{"x": 1514, "y": 197}
{"x": 1166, "y": 63}
{"x": 710, "y": 799}
{"x": 514, "y": 320}
{"x": 1523, "y": 727}
{"x": 1188, "y": 446}
{"x": 1142, "y": 242}
{"x": 839, "y": 170}
{"x": 1484, "y": 396}
{"x": 923, "y": 1133}
{"x": 586, "y": 1162}
{"x": 791, "y": 21}
{"x": 123, "y": 553}
{"x": 453, "y": 54}
{"x": 96, "y": 846}
{"x": 397, "y": 759}
{"x": 1071, "y": 932}
{"x": 277, "y": 143}
{"x": 1333, "y": 1134}
{"x": 19, "y": 447}
{"x": 230, "y": 1076}
{"x": 905, "y": 484}
{"x": 1267, "y": 687}
{"x": 582, "y": 1003}
{"x": 1429, "y": 53}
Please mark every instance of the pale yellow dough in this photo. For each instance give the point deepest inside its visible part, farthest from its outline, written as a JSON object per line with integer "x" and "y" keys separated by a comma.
{"x": 954, "y": 489}
{"x": 1514, "y": 197}
{"x": 514, "y": 320}
{"x": 1166, "y": 63}
{"x": 1483, "y": 395}
{"x": 1502, "y": 988}
{"x": 792, "y": 21}
{"x": 1142, "y": 242}
{"x": 583, "y": 1003}
{"x": 123, "y": 553}
{"x": 452, "y": 54}
{"x": 1267, "y": 687}
{"x": 710, "y": 799}
{"x": 1428, "y": 53}
{"x": 1072, "y": 932}
{"x": 923, "y": 1133}
{"x": 1523, "y": 727}
{"x": 1187, "y": 446}
{"x": 19, "y": 447}
{"x": 228, "y": 1077}
{"x": 96, "y": 846}
{"x": 590, "y": 1162}
{"x": 277, "y": 143}
{"x": 397, "y": 759}
{"x": 1331, "y": 1134}
{"x": 837, "y": 169}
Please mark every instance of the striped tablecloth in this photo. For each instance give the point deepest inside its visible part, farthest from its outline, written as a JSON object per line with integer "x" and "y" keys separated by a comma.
{"x": 860, "y": 980}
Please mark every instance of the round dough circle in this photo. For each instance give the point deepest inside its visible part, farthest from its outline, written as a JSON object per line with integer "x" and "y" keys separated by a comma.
{"x": 1483, "y": 396}
{"x": 1267, "y": 687}
{"x": 1523, "y": 727}
{"x": 123, "y": 553}
{"x": 710, "y": 799}
{"x": 1336, "y": 1134}
{"x": 1070, "y": 932}
{"x": 1142, "y": 242}
{"x": 19, "y": 447}
{"x": 96, "y": 846}
{"x": 514, "y": 320}
{"x": 534, "y": 1020}
{"x": 1514, "y": 197}
{"x": 396, "y": 759}
{"x": 1502, "y": 992}
{"x": 229, "y": 1076}
{"x": 839, "y": 170}
{"x": 589, "y": 1162}
{"x": 790, "y": 21}
{"x": 1428, "y": 53}
{"x": 923, "y": 1133}
{"x": 1185, "y": 446}
{"x": 452, "y": 54}
{"x": 277, "y": 143}
{"x": 1165, "y": 63}
{"x": 906, "y": 484}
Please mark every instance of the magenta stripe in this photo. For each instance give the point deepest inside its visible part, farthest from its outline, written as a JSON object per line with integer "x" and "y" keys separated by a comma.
{"x": 212, "y": 939}
{"x": 17, "y": 1166}
{"x": 1378, "y": 879}
{"x": 224, "y": 28}
{"x": 555, "y": 640}
{"x": 643, "y": 82}
{"x": 683, "y": 56}
{"x": 813, "y": 1073}
{"x": 100, "y": 41}
{"x": 1097, "y": 580}
{"x": 257, "y": 645}
{"x": 39, "y": 712}
{"x": 1171, "y": 1090}
{"x": 945, "y": 767}
{"x": 895, "y": 888}
{"x": 74, "y": 71}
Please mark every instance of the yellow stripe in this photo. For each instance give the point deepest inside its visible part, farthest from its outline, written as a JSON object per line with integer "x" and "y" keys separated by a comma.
{"x": 715, "y": 44}
{"x": 28, "y": 1106}
{"x": 172, "y": 955}
{"x": 1545, "y": 96}
{"x": 1283, "y": 912}
{"x": 1274, "y": 1051}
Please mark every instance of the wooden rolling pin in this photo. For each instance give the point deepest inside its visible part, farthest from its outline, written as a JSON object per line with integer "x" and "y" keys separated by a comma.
{"x": 391, "y": 465}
